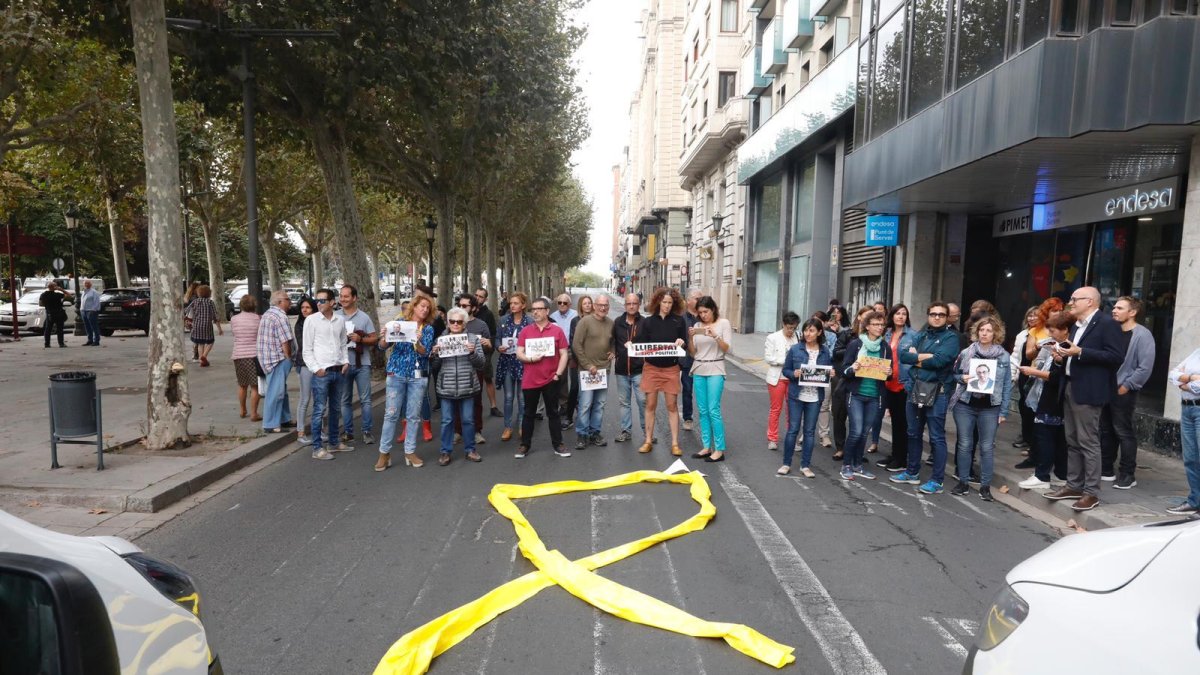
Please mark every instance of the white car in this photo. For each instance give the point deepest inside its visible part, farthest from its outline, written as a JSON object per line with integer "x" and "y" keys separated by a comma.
{"x": 1125, "y": 600}
{"x": 95, "y": 605}
{"x": 31, "y": 317}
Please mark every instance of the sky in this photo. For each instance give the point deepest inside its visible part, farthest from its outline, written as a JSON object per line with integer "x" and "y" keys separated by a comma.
{"x": 608, "y": 70}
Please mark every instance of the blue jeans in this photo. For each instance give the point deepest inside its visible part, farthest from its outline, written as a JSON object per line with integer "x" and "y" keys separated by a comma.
{"x": 327, "y": 394}
{"x": 276, "y": 407}
{"x": 514, "y": 400}
{"x": 456, "y": 408}
{"x": 591, "y": 412}
{"x": 404, "y": 398}
{"x": 303, "y": 410}
{"x": 708, "y": 390}
{"x": 1189, "y": 431}
{"x": 806, "y": 413}
{"x": 968, "y": 420}
{"x": 935, "y": 417}
{"x": 631, "y": 386}
{"x": 359, "y": 377}
{"x": 91, "y": 325}
{"x": 877, "y": 428}
{"x": 688, "y": 388}
{"x": 861, "y": 412}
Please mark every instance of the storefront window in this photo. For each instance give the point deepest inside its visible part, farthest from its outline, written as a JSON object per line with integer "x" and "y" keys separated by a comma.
{"x": 860, "y": 99}
{"x": 980, "y": 38}
{"x": 1036, "y": 16}
{"x": 798, "y": 285}
{"x": 927, "y": 65}
{"x": 805, "y": 191}
{"x": 766, "y": 296}
{"x": 1025, "y": 269}
{"x": 885, "y": 84}
{"x": 770, "y": 205}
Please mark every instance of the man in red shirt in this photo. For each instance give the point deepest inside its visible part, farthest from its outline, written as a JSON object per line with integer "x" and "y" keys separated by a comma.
{"x": 537, "y": 346}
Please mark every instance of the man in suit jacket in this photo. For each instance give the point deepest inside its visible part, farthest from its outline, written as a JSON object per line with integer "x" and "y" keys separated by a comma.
{"x": 1092, "y": 357}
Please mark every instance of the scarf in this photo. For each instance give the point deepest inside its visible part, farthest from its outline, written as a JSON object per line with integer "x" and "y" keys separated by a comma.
{"x": 994, "y": 351}
{"x": 872, "y": 347}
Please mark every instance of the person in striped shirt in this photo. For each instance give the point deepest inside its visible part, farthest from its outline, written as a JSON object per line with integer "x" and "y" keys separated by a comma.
{"x": 274, "y": 350}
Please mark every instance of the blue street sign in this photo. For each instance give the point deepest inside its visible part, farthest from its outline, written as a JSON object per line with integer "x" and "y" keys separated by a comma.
{"x": 883, "y": 230}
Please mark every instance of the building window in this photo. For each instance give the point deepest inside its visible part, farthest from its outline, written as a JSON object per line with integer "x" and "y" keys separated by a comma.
{"x": 928, "y": 55}
{"x": 696, "y": 50}
{"x": 841, "y": 34}
{"x": 826, "y": 54}
{"x": 1124, "y": 13}
{"x": 981, "y": 31}
{"x": 805, "y": 73}
{"x": 1095, "y": 14}
{"x": 805, "y": 202}
{"x": 861, "y": 119}
{"x": 707, "y": 25}
{"x": 729, "y": 16}
{"x": 726, "y": 87}
{"x": 1035, "y": 17}
{"x": 867, "y": 23}
{"x": 885, "y": 82}
{"x": 770, "y": 212}
{"x": 704, "y": 108}
{"x": 782, "y": 96}
{"x": 1068, "y": 18}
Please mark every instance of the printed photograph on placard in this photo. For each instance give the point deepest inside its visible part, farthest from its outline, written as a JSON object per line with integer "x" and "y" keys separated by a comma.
{"x": 981, "y": 376}
{"x": 590, "y": 382}
{"x": 873, "y": 368}
{"x": 454, "y": 345}
{"x": 815, "y": 376}
{"x": 401, "y": 331}
{"x": 509, "y": 344}
{"x": 349, "y": 328}
{"x": 540, "y": 347}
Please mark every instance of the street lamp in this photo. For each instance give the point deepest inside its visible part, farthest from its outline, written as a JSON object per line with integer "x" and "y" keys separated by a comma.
{"x": 687, "y": 266}
{"x": 717, "y": 219}
{"x": 430, "y": 232}
{"x": 72, "y": 219}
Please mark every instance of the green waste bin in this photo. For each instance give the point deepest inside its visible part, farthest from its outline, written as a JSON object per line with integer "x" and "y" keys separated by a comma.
{"x": 73, "y": 403}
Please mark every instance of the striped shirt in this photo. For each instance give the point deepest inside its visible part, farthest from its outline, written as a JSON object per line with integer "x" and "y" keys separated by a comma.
{"x": 274, "y": 331}
{"x": 244, "y": 327}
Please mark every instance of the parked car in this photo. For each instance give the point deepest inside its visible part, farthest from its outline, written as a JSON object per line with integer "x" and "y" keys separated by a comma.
{"x": 296, "y": 297}
{"x": 95, "y": 605}
{"x": 124, "y": 309}
{"x": 1124, "y": 600}
{"x": 235, "y": 297}
{"x": 31, "y": 316}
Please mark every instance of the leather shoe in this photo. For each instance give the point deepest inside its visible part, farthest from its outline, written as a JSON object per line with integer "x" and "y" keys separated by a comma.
{"x": 1025, "y": 464}
{"x": 1087, "y": 503}
{"x": 1063, "y": 493}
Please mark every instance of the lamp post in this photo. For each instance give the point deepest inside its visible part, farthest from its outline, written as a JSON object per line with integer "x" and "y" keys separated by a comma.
{"x": 72, "y": 219}
{"x": 717, "y": 219}
{"x": 430, "y": 232}
{"x": 687, "y": 265}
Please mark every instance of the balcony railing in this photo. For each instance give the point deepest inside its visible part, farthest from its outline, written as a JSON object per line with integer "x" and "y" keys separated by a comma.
{"x": 723, "y": 130}
{"x": 774, "y": 59}
{"x": 754, "y": 82}
{"x": 797, "y": 25}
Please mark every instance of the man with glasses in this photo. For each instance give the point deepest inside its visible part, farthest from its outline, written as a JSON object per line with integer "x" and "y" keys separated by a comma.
{"x": 592, "y": 345}
{"x": 485, "y": 314}
{"x": 932, "y": 359}
{"x": 543, "y": 376}
{"x": 1091, "y": 359}
{"x": 476, "y": 326}
{"x": 361, "y": 335}
{"x": 327, "y": 355}
{"x": 562, "y": 317}
{"x": 274, "y": 351}
{"x": 628, "y": 372}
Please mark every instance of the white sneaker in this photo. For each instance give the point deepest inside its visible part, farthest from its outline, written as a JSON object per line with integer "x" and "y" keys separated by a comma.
{"x": 479, "y": 439}
{"x": 322, "y": 454}
{"x": 807, "y": 472}
{"x": 1033, "y": 483}
{"x": 772, "y": 445}
{"x": 304, "y": 440}
{"x": 825, "y": 442}
{"x": 342, "y": 447}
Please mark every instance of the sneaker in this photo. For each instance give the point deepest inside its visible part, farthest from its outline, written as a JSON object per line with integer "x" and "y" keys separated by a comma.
{"x": 580, "y": 444}
{"x": 1108, "y": 477}
{"x": 807, "y": 472}
{"x": 783, "y": 470}
{"x": 304, "y": 440}
{"x": 931, "y": 488}
{"x": 562, "y": 451}
{"x": 906, "y": 477}
{"x": 985, "y": 493}
{"x": 960, "y": 489}
{"x": 496, "y": 412}
{"x": 883, "y": 463}
{"x": 342, "y": 447}
{"x": 322, "y": 454}
{"x": 1125, "y": 482}
{"x": 598, "y": 441}
{"x": 825, "y": 442}
{"x": 1184, "y": 510}
{"x": 623, "y": 437}
{"x": 688, "y": 424}
{"x": 847, "y": 473}
{"x": 368, "y": 439}
{"x": 772, "y": 445}
{"x": 893, "y": 468}
{"x": 1033, "y": 483}
{"x": 521, "y": 452}
{"x": 479, "y": 439}
{"x": 861, "y": 472}
{"x": 347, "y": 437}
{"x": 1020, "y": 443}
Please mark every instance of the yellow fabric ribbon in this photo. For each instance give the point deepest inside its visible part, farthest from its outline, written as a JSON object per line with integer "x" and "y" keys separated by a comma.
{"x": 413, "y": 652}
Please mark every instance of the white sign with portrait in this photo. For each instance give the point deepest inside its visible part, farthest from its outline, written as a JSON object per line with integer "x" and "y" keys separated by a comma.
{"x": 981, "y": 376}
{"x": 401, "y": 331}
{"x": 542, "y": 347}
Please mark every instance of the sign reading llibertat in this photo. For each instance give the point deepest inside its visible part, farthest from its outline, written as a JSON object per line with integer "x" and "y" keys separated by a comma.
{"x": 647, "y": 350}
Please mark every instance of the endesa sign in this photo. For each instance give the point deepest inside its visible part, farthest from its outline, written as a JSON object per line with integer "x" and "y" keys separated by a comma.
{"x": 1135, "y": 200}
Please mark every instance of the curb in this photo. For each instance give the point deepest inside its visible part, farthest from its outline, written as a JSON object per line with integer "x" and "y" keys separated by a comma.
{"x": 1103, "y": 517}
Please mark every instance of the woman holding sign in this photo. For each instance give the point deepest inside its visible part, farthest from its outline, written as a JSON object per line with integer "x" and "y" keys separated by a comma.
{"x": 868, "y": 365}
{"x": 709, "y": 342}
{"x": 407, "y": 378}
{"x": 983, "y": 371}
{"x": 456, "y": 359}
{"x": 508, "y": 368}
{"x": 661, "y": 373}
{"x": 808, "y": 369}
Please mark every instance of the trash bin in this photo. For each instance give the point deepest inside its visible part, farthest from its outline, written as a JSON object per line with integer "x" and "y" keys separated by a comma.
{"x": 73, "y": 403}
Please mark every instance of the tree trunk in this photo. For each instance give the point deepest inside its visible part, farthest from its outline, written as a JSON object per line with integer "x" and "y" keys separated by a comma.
{"x": 492, "y": 260}
{"x": 475, "y": 273}
{"x": 318, "y": 264}
{"x": 266, "y": 238}
{"x": 444, "y": 249}
{"x": 216, "y": 268}
{"x": 167, "y": 401}
{"x": 333, "y": 156}
{"x": 116, "y": 233}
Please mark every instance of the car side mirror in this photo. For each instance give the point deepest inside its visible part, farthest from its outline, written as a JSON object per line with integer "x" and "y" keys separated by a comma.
{"x": 52, "y": 619}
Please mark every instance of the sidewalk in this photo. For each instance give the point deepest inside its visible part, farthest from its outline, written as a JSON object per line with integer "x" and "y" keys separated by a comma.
{"x": 127, "y": 498}
{"x": 1161, "y": 480}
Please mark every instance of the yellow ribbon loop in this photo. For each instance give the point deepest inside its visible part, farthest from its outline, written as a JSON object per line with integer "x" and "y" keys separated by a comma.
{"x": 413, "y": 652}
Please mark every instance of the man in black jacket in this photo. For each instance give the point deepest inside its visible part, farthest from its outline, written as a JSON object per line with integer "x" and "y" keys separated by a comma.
{"x": 484, "y": 313}
{"x": 1091, "y": 357}
{"x": 627, "y": 371}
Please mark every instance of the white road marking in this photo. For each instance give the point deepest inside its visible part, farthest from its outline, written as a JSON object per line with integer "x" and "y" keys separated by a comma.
{"x": 598, "y": 666}
{"x": 964, "y": 627}
{"x": 842, "y": 646}
{"x": 490, "y": 640}
{"x": 234, "y": 507}
{"x": 314, "y": 537}
{"x": 430, "y": 573}
{"x": 948, "y": 640}
{"x": 676, "y": 594}
{"x": 879, "y": 500}
{"x": 966, "y": 501}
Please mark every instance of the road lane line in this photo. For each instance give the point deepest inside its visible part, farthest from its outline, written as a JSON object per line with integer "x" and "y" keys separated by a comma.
{"x": 964, "y": 627}
{"x": 842, "y": 646}
{"x": 437, "y": 563}
{"x": 314, "y": 537}
{"x": 880, "y": 500}
{"x": 598, "y": 665}
{"x": 948, "y": 641}
{"x": 965, "y": 501}
{"x": 676, "y": 593}
{"x": 490, "y": 640}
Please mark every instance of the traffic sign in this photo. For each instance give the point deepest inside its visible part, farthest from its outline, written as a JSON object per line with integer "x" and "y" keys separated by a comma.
{"x": 58, "y": 264}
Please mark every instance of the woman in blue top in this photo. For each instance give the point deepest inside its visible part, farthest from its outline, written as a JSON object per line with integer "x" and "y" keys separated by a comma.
{"x": 407, "y": 378}
{"x": 899, "y": 337}
{"x": 980, "y": 401}
{"x": 804, "y": 402}
{"x": 863, "y": 393}
{"x": 508, "y": 369}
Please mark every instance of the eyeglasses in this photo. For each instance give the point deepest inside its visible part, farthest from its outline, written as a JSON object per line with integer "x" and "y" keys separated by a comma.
{"x": 321, "y": 301}
{"x": 561, "y": 303}
{"x": 1075, "y": 299}
{"x": 938, "y": 315}
{"x": 464, "y": 307}
{"x": 455, "y": 322}
{"x": 539, "y": 309}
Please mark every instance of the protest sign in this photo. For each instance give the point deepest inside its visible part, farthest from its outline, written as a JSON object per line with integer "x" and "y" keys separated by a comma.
{"x": 456, "y": 344}
{"x": 401, "y": 331}
{"x": 815, "y": 376}
{"x": 539, "y": 347}
{"x": 981, "y": 376}
{"x": 590, "y": 382}
{"x": 642, "y": 350}
{"x": 873, "y": 368}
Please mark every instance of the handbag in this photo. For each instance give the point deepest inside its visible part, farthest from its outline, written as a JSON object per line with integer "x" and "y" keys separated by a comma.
{"x": 924, "y": 393}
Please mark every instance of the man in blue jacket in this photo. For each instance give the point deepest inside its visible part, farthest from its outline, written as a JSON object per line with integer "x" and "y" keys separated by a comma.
{"x": 932, "y": 359}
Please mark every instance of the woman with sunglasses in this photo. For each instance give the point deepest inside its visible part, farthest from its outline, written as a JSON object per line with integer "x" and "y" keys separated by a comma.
{"x": 407, "y": 379}
{"x": 508, "y": 368}
{"x": 458, "y": 381}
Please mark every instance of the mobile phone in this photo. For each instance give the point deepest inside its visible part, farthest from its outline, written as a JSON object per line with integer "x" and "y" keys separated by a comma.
{"x": 1064, "y": 345}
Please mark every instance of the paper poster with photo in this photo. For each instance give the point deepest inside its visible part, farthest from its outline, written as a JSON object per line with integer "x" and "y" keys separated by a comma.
{"x": 646, "y": 350}
{"x": 981, "y": 376}
{"x": 509, "y": 344}
{"x": 873, "y": 368}
{"x": 543, "y": 347}
{"x": 401, "y": 331}
{"x": 590, "y": 382}
{"x": 458, "y": 344}
{"x": 815, "y": 376}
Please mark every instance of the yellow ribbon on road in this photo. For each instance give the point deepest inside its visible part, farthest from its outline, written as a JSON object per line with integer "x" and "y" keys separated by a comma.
{"x": 416, "y": 650}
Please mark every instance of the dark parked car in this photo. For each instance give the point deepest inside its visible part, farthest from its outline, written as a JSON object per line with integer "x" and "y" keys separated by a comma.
{"x": 124, "y": 309}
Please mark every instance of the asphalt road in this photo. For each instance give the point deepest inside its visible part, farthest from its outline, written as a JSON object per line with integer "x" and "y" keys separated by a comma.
{"x": 318, "y": 567}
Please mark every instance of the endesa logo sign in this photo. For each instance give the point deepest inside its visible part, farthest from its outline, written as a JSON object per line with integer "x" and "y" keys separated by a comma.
{"x": 1126, "y": 202}
{"x": 1140, "y": 201}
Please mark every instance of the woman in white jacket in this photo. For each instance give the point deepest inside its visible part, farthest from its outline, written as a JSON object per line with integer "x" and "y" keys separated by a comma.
{"x": 775, "y": 351}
